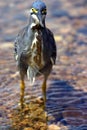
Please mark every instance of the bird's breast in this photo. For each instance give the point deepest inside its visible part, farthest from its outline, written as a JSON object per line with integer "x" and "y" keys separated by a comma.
{"x": 37, "y": 51}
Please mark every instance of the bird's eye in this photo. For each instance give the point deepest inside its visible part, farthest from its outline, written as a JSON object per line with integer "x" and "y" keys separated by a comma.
{"x": 44, "y": 11}
{"x": 34, "y": 10}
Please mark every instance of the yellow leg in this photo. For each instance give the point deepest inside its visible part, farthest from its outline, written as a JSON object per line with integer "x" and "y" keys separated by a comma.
{"x": 44, "y": 91}
{"x": 22, "y": 88}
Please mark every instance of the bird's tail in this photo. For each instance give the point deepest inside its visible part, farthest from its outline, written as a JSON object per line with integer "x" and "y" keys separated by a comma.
{"x": 31, "y": 74}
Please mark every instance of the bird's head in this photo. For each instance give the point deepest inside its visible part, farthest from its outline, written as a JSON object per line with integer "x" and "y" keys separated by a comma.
{"x": 38, "y": 13}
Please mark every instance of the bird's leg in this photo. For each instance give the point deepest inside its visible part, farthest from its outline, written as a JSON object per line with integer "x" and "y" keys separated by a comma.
{"x": 44, "y": 90}
{"x": 22, "y": 88}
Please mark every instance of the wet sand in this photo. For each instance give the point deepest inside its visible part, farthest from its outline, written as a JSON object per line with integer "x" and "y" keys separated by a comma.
{"x": 67, "y": 84}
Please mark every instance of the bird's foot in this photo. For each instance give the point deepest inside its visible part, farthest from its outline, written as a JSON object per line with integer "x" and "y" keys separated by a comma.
{"x": 21, "y": 105}
{"x": 40, "y": 100}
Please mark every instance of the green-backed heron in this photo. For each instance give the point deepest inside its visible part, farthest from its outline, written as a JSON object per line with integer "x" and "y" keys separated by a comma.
{"x": 35, "y": 49}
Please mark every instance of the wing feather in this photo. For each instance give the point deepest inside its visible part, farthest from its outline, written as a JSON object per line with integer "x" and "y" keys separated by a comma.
{"x": 19, "y": 43}
{"x": 53, "y": 46}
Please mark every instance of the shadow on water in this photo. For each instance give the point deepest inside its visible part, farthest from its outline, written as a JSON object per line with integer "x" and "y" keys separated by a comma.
{"x": 67, "y": 105}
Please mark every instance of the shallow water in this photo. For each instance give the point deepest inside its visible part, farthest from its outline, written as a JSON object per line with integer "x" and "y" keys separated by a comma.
{"x": 67, "y": 84}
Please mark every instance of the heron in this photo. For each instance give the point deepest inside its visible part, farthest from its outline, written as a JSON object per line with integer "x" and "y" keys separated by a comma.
{"x": 35, "y": 49}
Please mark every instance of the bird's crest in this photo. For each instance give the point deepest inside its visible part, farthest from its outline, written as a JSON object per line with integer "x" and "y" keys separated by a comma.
{"x": 38, "y": 4}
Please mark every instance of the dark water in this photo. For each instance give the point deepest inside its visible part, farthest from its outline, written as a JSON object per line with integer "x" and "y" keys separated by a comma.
{"x": 67, "y": 84}
{"x": 67, "y": 105}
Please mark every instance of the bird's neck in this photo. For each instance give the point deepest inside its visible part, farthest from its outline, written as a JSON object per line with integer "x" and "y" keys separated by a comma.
{"x": 35, "y": 26}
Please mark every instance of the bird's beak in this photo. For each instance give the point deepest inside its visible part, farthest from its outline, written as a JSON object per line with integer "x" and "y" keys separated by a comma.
{"x": 40, "y": 20}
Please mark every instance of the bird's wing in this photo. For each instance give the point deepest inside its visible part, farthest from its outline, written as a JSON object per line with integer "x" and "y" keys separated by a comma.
{"x": 19, "y": 43}
{"x": 53, "y": 46}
